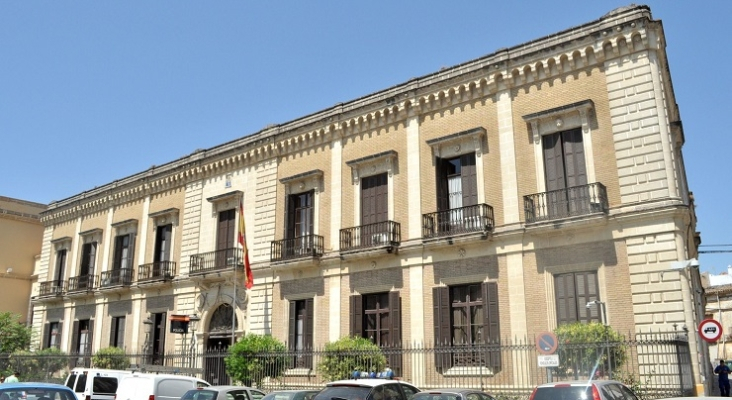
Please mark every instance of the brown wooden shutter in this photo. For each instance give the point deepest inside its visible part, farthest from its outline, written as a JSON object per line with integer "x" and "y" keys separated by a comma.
{"x": 586, "y": 291}
{"x": 75, "y": 337}
{"x": 469, "y": 179}
{"x": 113, "y": 333}
{"x": 574, "y": 158}
{"x": 382, "y": 198}
{"x": 290, "y": 224}
{"x": 118, "y": 241}
{"x": 308, "y": 334}
{"x": 356, "y": 316}
{"x": 564, "y": 295}
{"x": 292, "y": 329}
{"x": 443, "y": 337}
{"x": 368, "y": 201}
{"x": 46, "y": 336}
{"x": 167, "y": 235}
{"x": 131, "y": 262}
{"x": 395, "y": 333}
{"x": 491, "y": 323}
{"x": 443, "y": 196}
{"x": 59, "y": 336}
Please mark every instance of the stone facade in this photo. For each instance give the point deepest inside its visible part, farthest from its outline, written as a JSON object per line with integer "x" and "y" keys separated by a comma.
{"x": 606, "y": 82}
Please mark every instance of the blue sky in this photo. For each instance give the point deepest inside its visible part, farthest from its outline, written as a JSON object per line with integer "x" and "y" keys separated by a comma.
{"x": 93, "y": 91}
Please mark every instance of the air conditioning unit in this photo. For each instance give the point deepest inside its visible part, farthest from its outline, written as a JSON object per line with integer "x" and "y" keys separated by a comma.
{"x": 379, "y": 239}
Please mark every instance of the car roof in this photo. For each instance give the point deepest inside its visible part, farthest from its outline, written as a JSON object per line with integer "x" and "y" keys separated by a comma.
{"x": 226, "y": 387}
{"x": 32, "y": 385}
{"x": 366, "y": 382}
{"x": 294, "y": 391}
{"x": 580, "y": 383}
{"x": 451, "y": 390}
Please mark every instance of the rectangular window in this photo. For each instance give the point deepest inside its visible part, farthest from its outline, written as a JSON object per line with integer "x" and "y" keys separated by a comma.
{"x": 457, "y": 184}
{"x": 88, "y": 257}
{"x": 53, "y": 335}
{"x": 82, "y": 336}
{"x": 564, "y": 166}
{"x": 60, "y": 267}
{"x": 162, "y": 243}
{"x": 466, "y": 320}
{"x": 572, "y": 292}
{"x": 300, "y": 224}
{"x": 124, "y": 249}
{"x": 374, "y": 199}
{"x": 225, "y": 236}
{"x": 377, "y": 317}
{"x": 301, "y": 332}
{"x": 158, "y": 338}
{"x": 117, "y": 332}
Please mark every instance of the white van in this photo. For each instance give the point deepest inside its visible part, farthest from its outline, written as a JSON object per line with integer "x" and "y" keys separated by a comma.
{"x": 145, "y": 386}
{"x": 94, "y": 383}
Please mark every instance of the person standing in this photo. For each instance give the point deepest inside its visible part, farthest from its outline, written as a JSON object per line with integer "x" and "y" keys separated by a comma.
{"x": 16, "y": 375}
{"x": 723, "y": 371}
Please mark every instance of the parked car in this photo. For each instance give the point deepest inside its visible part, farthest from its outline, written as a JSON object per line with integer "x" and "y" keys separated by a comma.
{"x": 142, "y": 386}
{"x": 367, "y": 389}
{"x": 35, "y": 391}
{"x": 452, "y": 394}
{"x": 226, "y": 392}
{"x": 291, "y": 395}
{"x": 95, "y": 383}
{"x": 596, "y": 390}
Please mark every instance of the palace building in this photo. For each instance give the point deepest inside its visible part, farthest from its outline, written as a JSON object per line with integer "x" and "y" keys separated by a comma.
{"x": 535, "y": 186}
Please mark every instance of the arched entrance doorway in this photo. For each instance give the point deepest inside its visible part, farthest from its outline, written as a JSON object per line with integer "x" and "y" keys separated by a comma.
{"x": 218, "y": 340}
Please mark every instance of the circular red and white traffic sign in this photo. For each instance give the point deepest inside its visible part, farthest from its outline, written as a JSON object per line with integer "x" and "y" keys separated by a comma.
{"x": 710, "y": 330}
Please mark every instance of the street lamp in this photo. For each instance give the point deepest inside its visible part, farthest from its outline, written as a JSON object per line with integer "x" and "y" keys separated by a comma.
{"x": 146, "y": 348}
{"x": 193, "y": 324}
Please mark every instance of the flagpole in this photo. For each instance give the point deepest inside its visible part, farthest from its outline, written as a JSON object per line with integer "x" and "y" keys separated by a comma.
{"x": 233, "y": 306}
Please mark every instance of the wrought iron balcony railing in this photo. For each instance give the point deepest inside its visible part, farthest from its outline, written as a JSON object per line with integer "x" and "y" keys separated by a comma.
{"x": 565, "y": 203}
{"x": 218, "y": 260}
{"x": 156, "y": 271}
{"x": 468, "y": 219}
{"x": 298, "y": 247}
{"x": 117, "y": 277}
{"x": 51, "y": 288}
{"x": 380, "y": 234}
{"x": 83, "y": 283}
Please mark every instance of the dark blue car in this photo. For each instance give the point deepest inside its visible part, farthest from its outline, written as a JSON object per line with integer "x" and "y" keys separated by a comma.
{"x": 35, "y": 391}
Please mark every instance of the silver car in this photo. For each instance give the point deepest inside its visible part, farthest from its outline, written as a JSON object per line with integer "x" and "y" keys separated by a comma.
{"x": 452, "y": 394}
{"x": 580, "y": 390}
{"x": 223, "y": 393}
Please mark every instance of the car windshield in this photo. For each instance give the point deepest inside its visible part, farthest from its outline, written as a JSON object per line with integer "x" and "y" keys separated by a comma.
{"x": 563, "y": 393}
{"x": 200, "y": 394}
{"x": 36, "y": 394}
{"x": 436, "y": 396}
{"x": 343, "y": 392}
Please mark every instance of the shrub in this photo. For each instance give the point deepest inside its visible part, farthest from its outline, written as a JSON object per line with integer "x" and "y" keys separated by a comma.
{"x": 589, "y": 349}
{"x": 347, "y": 354}
{"x": 111, "y": 358}
{"x": 37, "y": 366}
{"x": 254, "y": 358}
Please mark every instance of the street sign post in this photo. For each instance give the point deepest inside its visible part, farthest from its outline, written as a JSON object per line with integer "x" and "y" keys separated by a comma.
{"x": 546, "y": 343}
{"x": 710, "y": 330}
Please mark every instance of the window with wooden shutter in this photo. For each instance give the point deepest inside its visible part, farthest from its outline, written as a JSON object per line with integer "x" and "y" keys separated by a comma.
{"x": 356, "y": 314}
{"x": 60, "y": 266}
{"x": 162, "y": 243}
{"x": 225, "y": 235}
{"x": 117, "y": 332}
{"x": 301, "y": 332}
{"x": 88, "y": 256}
{"x": 572, "y": 292}
{"x": 564, "y": 167}
{"x": 467, "y": 325}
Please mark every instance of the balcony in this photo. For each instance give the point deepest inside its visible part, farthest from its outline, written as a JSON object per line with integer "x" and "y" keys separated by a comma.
{"x": 116, "y": 278}
{"x": 299, "y": 247}
{"x": 82, "y": 283}
{"x": 458, "y": 221}
{"x": 385, "y": 234}
{"x": 51, "y": 288}
{"x": 216, "y": 261}
{"x": 156, "y": 271}
{"x": 566, "y": 203}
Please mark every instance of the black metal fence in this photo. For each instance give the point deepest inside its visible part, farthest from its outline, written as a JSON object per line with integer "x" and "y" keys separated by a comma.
{"x": 657, "y": 365}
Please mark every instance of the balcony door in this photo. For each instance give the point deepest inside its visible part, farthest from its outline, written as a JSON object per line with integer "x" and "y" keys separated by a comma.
{"x": 457, "y": 187}
{"x": 566, "y": 173}
{"x": 162, "y": 250}
{"x": 299, "y": 224}
{"x": 225, "y": 234}
{"x": 374, "y": 210}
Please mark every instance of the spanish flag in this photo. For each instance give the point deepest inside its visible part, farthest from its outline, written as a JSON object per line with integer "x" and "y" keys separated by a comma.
{"x": 248, "y": 277}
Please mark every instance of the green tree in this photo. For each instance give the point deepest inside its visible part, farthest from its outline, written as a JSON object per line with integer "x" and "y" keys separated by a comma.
{"x": 587, "y": 349}
{"x": 13, "y": 335}
{"x": 347, "y": 354}
{"x": 254, "y": 358}
{"x": 111, "y": 358}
